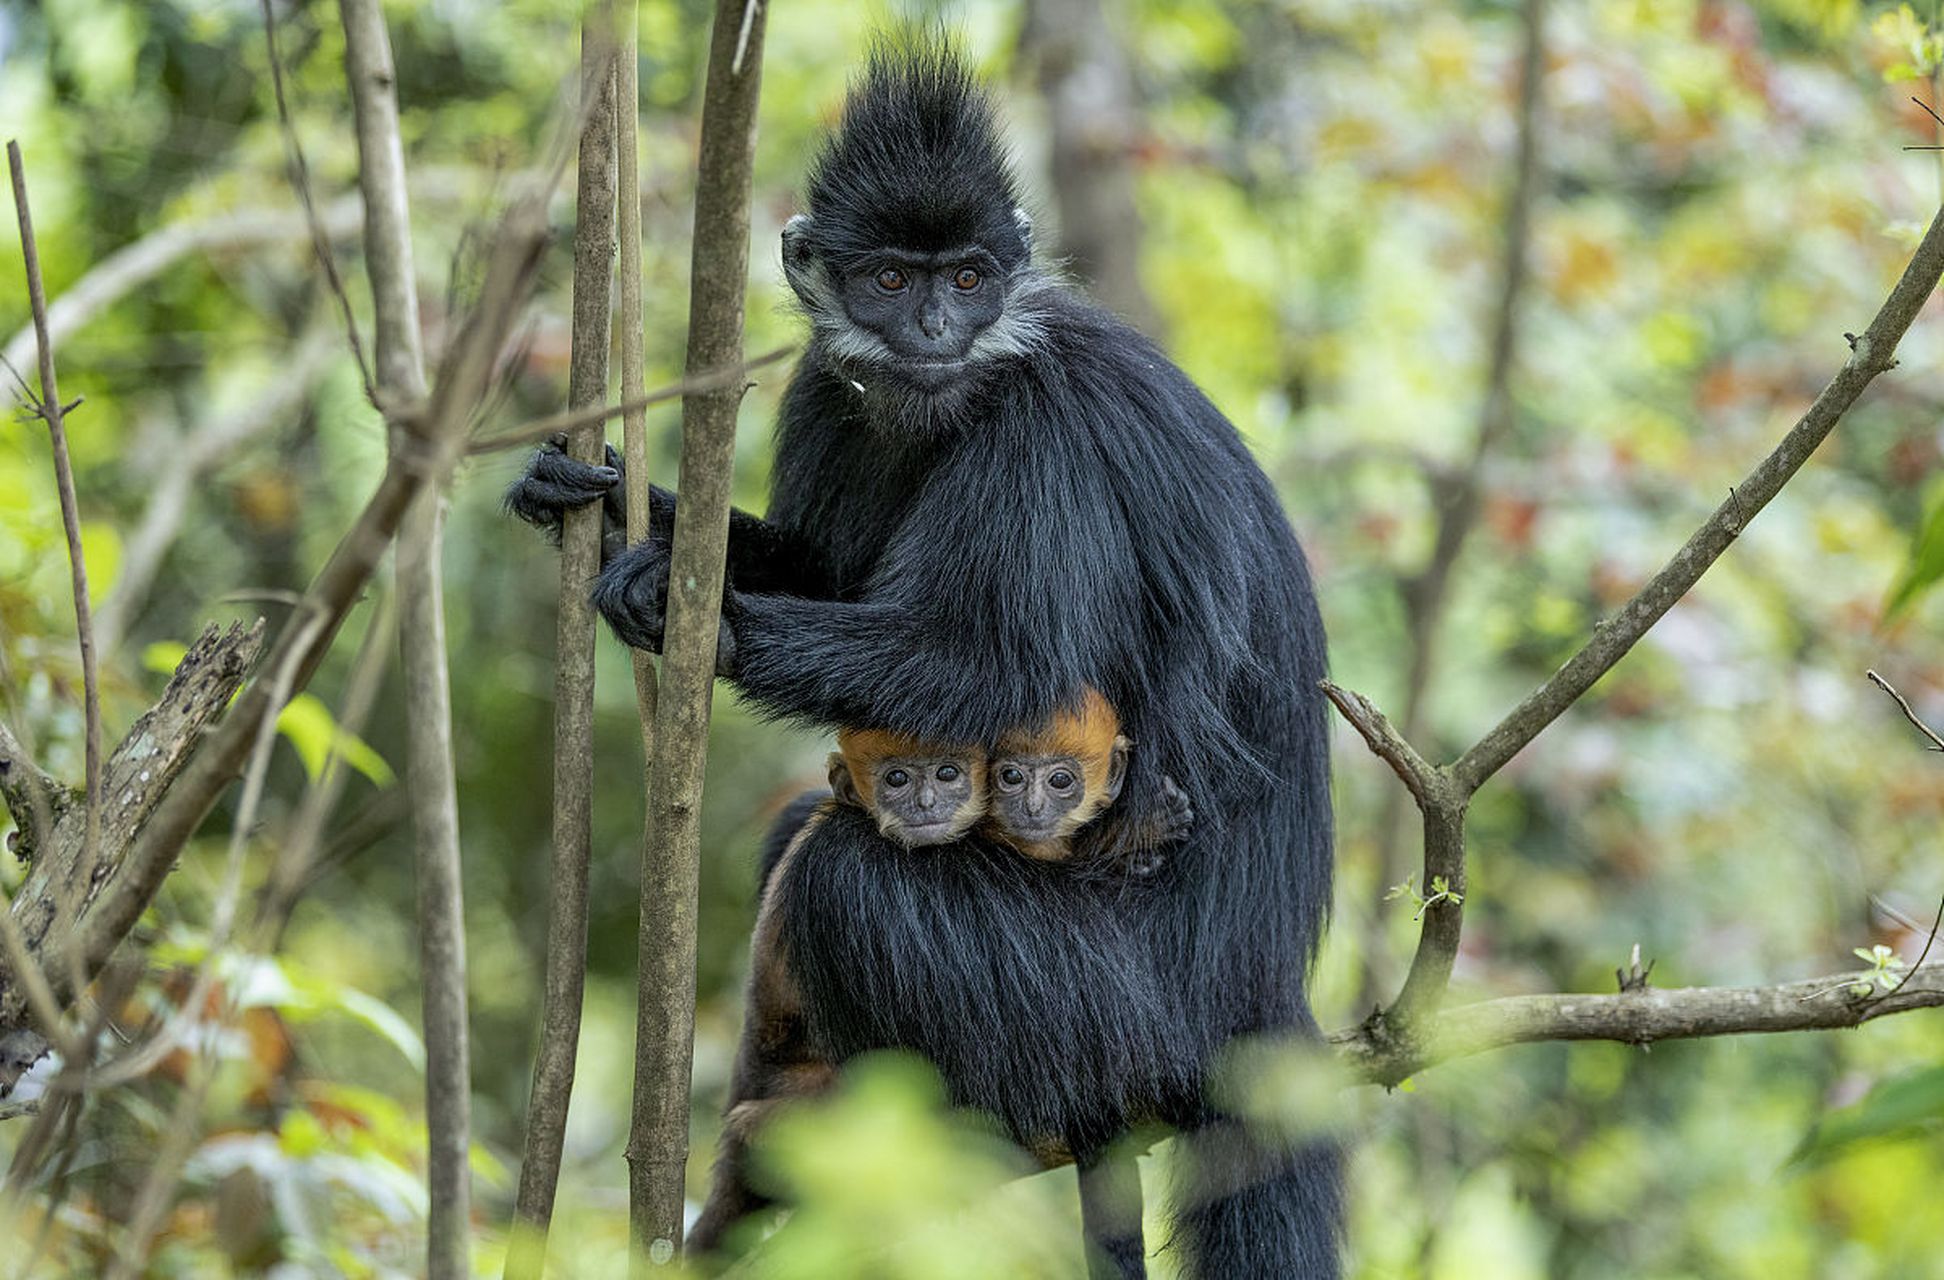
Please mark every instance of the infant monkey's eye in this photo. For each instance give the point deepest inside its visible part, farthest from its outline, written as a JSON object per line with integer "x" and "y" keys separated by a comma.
{"x": 1011, "y": 776}
{"x": 1060, "y": 780}
{"x": 948, "y": 773}
{"x": 896, "y": 778}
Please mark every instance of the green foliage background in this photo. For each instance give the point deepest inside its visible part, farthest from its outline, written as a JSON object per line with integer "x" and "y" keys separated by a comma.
{"x": 1725, "y": 191}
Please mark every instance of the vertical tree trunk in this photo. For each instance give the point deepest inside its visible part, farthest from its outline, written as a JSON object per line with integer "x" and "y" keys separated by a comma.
{"x": 718, "y": 278}
{"x": 422, "y": 651}
{"x": 573, "y": 748}
{"x": 1091, "y": 112}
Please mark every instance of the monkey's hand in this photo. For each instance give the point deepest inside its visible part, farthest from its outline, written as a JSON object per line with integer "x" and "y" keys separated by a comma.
{"x": 555, "y": 483}
{"x": 632, "y": 594}
{"x": 1170, "y": 826}
{"x": 1177, "y": 813}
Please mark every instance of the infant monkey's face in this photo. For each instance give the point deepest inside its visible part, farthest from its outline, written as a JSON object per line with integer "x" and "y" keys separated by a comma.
{"x": 1037, "y": 797}
{"x": 923, "y": 800}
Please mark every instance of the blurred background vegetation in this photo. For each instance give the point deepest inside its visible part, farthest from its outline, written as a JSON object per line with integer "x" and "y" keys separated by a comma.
{"x": 1305, "y": 199}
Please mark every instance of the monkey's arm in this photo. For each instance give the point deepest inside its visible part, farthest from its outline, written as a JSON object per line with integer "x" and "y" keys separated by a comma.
{"x": 762, "y": 556}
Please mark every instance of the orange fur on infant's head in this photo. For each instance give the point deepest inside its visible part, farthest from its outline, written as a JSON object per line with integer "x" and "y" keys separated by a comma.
{"x": 920, "y": 793}
{"x": 1050, "y": 781}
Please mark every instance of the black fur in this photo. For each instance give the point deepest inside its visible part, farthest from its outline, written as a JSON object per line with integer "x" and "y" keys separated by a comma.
{"x": 1074, "y": 513}
{"x": 917, "y": 164}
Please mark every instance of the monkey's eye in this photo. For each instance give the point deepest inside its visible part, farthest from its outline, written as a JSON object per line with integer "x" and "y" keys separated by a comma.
{"x": 896, "y": 778}
{"x": 966, "y": 279}
{"x": 891, "y": 280}
{"x": 1060, "y": 780}
{"x": 948, "y": 773}
{"x": 1011, "y": 776}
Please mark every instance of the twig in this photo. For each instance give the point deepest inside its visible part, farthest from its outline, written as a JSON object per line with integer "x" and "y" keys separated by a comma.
{"x": 1458, "y": 497}
{"x": 54, "y": 413}
{"x": 1936, "y": 743}
{"x": 1870, "y": 354}
{"x": 300, "y": 179}
{"x": 634, "y": 434}
{"x": 462, "y": 383}
{"x": 295, "y": 865}
{"x": 634, "y": 396}
{"x": 1937, "y": 922}
{"x": 719, "y": 271}
{"x": 573, "y": 746}
{"x": 576, "y": 419}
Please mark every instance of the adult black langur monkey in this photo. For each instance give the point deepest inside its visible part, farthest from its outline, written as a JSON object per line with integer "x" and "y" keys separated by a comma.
{"x": 989, "y": 495}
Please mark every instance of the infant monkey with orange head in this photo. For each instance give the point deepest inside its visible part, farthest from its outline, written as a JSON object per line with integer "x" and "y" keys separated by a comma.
{"x": 1033, "y": 793}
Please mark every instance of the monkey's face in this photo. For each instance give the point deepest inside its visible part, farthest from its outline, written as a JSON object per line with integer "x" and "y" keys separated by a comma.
{"x": 1040, "y": 797}
{"x": 925, "y": 800}
{"x": 911, "y": 330}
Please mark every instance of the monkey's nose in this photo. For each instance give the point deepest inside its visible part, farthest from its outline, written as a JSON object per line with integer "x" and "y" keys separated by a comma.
{"x": 927, "y": 797}
{"x": 932, "y": 320}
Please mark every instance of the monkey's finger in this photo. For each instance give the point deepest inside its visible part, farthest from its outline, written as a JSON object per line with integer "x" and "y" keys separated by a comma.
{"x": 554, "y": 483}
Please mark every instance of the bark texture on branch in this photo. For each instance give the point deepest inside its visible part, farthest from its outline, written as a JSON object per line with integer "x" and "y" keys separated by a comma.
{"x": 138, "y": 774}
{"x": 1375, "y": 1052}
{"x": 718, "y": 279}
{"x": 400, "y": 369}
{"x": 573, "y": 745}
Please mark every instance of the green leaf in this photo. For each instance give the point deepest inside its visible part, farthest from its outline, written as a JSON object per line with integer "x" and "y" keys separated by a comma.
{"x": 1926, "y": 564}
{"x": 163, "y": 657}
{"x": 314, "y": 732}
{"x": 1905, "y": 1106}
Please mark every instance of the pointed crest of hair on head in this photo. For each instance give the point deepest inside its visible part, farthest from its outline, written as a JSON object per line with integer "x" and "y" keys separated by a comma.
{"x": 917, "y": 161}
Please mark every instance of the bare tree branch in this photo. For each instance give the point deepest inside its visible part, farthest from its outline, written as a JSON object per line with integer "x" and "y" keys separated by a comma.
{"x": 1871, "y": 353}
{"x": 1093, "y": 119}
{"x": 300, "y": 179}
{"x": 719, "y": 275}
{"x": 573, "y": 746}
{"x": 422, "y": 649}
{"x": 631, "y": 404}
{"x": 1458, "y": 495}
{"x": 139, "y": 773}
{"x": 129, "y": 268}
{"x": 130, "y": 881}
{"x": 1936, "y": 743}
{"x": 1375, "y": 1053}
{"x": 1444, "y": 810}
{"x": 54, "y": 413}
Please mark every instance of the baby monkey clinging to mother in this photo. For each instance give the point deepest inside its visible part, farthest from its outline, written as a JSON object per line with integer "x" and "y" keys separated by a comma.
{"x": 1033, "y": 793}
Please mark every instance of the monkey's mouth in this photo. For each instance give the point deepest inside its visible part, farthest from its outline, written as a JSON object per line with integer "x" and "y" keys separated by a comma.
{"x": 914, "y": 834}
{"x": 932, "y": 375}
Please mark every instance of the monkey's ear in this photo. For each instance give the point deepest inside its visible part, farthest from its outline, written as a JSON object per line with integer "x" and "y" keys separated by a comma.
{"x": 1024, "y": 221}
{"x": 842, "y": 785}
{"x": 796, "y": 241}
{"x": 1117, "y": 767}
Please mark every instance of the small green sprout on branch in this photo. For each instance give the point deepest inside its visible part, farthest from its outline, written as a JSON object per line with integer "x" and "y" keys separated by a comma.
{"x": 1441, "y": 891}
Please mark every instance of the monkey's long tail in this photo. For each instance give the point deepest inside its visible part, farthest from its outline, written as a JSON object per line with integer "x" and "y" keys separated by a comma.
{"x": 1247, "y": 1210}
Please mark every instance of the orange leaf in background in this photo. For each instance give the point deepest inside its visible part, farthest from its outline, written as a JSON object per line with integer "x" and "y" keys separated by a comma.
{"x": 1512, "y": 519}
{"x": 1912, "y": 459}
{"x": 1583, "y": 268}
